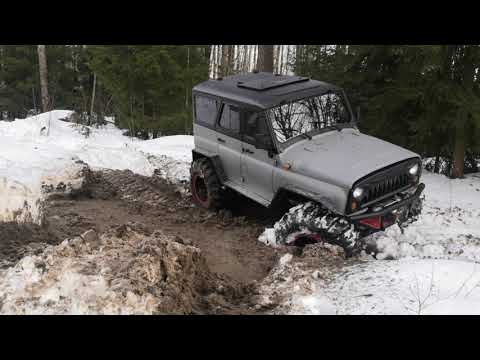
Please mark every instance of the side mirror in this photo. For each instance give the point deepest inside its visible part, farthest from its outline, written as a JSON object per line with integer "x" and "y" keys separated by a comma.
{"x": 358, "y": 115}
{"x": 264, "y": 141}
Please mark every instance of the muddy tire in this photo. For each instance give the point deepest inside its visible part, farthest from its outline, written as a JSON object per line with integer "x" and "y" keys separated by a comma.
{"x": 311, "y": 219}
{"x": 413, "y": 214}
{"x": 205, "y": 185}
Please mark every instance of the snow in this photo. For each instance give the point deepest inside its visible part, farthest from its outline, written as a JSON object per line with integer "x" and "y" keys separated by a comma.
{"x": 45, "y": 149}
{"x": 449, "y": 227}
{"x": 408, "y": 286}
{"x": 432, "y": 268}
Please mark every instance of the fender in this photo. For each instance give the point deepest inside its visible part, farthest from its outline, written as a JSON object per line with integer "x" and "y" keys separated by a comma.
{"x": 215, "y": 160}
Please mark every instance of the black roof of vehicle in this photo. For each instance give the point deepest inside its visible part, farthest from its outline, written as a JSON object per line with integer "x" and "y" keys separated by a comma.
{"x": 264, "y": 90}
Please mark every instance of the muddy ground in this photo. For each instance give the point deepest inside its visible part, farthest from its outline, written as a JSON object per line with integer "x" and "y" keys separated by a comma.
{"x": 227, "y": 239}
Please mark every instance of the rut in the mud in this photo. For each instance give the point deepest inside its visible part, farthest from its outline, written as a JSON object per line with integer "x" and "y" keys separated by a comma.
{"x": 113, "y": 198}
{"x": 17, "y": 240}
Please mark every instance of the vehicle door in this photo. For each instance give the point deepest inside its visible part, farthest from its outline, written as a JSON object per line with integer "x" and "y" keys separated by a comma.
{"x": 206, "y": 111}
{"x": 229, "y": 142}
{"x": 257, "y": 162}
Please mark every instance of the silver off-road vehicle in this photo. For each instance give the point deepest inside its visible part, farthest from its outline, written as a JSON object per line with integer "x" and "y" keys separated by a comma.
{"x": 292, "y": 140}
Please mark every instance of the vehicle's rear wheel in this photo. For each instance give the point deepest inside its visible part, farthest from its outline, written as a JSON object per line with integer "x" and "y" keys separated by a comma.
{"x": 204, "y": 184}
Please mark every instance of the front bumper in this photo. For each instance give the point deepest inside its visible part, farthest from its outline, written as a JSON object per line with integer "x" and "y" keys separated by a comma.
{"x": 389, "y": 210}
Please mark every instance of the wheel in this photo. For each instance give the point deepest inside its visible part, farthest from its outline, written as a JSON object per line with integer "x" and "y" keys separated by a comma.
{"x": 413, "y": 214}
{"x": 204, "y": 184}
{"x": 315, "y": 222}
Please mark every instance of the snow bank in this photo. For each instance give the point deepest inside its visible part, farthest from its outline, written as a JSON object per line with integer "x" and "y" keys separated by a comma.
{"x": 45, "y": 149}
{"x": 449, "y": 227}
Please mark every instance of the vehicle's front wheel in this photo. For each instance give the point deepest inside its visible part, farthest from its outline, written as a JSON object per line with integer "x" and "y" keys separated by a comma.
{"x": 204, "y": 184}
{"x": 309, "y": 220}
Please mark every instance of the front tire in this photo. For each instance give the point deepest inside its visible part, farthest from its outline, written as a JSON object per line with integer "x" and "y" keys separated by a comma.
{"x": 205, "y": 185}
{"x": 310, "y": 218}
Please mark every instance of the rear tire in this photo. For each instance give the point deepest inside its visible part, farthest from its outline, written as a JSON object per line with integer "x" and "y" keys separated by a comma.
{"x": 205, "y": 185}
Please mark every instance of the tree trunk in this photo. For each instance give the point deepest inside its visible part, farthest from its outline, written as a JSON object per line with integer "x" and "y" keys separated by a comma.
{"x": 460, "y": 133}
{"x": 42, "y": 63}
{"x": 298, "y": 59}
{"x": 436, "y": 168}
{"x": 93, "y": 96}
{"x": 265, "y": 58}
{"x": 225, "y": 63}
{"x": 459, "y": 151}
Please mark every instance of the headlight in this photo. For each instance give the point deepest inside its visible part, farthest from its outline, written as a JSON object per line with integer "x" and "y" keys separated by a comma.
{"x": 414, "y": 170}
{"x": 357, "y": 193}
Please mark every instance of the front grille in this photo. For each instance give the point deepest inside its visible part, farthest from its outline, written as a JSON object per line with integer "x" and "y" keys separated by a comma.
{"x": 387, "y": 186}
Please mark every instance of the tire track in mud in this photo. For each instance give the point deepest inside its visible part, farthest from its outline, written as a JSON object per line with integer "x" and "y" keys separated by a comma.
{"x": 113, "y": 198}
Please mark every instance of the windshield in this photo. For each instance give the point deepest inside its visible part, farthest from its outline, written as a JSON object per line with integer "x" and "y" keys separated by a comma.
{"x": 307, "y": 116}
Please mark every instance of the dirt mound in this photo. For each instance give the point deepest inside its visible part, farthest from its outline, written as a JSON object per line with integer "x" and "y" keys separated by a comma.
{"x": 121, "y": 272}
{"x": 299, "y": 276}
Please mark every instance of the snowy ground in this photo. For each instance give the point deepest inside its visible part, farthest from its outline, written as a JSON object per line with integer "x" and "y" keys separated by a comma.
{"x": 430, "y": 269}
{"x": 45, "y": 150}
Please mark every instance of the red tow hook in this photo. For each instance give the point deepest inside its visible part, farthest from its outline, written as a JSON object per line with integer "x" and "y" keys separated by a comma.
{"x": 373, "y": 222}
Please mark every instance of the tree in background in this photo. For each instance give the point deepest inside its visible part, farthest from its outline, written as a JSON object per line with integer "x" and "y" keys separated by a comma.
{"x": 19, "y": 81}
{"x": 420, "y": 97}
{"x": 265, "y": 58}
{"x": 425, "y": 98}
{"x": 43, "y": 72}
{"x": 149, "y": 84}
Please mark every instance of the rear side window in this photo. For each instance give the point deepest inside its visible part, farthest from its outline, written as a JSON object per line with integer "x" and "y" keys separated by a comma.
{"x": 206, "y": 110}
{"x": 230, "y": 119}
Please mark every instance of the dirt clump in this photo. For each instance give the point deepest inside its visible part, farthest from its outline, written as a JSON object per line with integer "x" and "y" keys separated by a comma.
{"x": 298, "y": 274}
{"x": 120, "y": 272}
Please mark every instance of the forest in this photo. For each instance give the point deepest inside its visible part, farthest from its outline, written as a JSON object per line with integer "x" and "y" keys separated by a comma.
{"x": 423, "y": 97}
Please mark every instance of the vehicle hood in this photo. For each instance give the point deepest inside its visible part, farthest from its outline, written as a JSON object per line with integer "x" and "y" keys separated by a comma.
{"x": 342, "y": 158}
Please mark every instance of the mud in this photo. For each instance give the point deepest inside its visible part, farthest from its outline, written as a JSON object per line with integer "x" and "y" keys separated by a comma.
{"x": 228, "y": 238}
{"x": 18, "y": 240}
{"x": 123, "y": 271}
{"x": 111, "y": 199}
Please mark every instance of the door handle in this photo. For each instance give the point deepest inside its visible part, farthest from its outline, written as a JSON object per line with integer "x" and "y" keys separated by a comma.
{"x": 221, "y": 140}
{"x": 248, "y": 151}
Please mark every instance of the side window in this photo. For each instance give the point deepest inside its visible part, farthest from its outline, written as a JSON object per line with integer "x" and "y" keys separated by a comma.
{"x": 206, "y": 110}
{"x": 230, "y": 119}
{"x": 255, "y": 124}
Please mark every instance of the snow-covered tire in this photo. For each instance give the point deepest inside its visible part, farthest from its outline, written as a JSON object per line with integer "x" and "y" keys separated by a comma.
{"x": 310, "y": 218}
{"x": 204, "y": 184}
